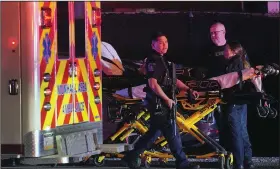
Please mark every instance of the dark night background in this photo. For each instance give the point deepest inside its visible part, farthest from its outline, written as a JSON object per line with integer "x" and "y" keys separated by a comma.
{"x": 188, "y": 33}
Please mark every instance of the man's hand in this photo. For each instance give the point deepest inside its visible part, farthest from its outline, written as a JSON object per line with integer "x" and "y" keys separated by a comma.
{"x": 194, "y": 93}
{"x": 248, "y": 73}
{"x": 169, "y": 102}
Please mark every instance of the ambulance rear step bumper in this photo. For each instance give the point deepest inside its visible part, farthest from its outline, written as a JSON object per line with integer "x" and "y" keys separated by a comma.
{"x": 65, "y": 141}
{"x": 9, "y": 156}
{"x": 56, "y": 159}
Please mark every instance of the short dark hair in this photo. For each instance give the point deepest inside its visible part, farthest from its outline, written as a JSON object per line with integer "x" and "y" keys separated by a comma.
{"x": 156, "y": 35}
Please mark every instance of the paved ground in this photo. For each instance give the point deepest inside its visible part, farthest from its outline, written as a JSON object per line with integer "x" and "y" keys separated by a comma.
{"x": 260, "y": 162}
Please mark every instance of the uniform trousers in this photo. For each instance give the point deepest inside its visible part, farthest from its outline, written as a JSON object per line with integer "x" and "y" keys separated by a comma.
{"x": 161, "y": 123}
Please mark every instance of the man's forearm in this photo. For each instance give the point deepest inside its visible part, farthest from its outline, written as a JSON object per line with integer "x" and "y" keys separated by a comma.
{"x": 181, "y": 85}
{"x": 158, "y": 90}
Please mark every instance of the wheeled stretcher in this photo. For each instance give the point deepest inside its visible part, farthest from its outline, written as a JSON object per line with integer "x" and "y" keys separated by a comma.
{"x": 211, "y": 96}
{"x": 187, "y": 125}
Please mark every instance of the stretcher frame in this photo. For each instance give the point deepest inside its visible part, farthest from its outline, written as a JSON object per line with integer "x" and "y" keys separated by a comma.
{"x": 203, "y": 106}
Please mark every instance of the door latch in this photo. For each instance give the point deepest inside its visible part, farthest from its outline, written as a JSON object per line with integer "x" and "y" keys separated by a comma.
{"x": 72, "y": 69}
{"x": 13, "y": 87}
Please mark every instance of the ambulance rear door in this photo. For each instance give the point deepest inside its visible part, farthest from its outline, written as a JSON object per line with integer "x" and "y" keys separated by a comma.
{"x": 78, "y": 68}
{"x": 86, "y": 60}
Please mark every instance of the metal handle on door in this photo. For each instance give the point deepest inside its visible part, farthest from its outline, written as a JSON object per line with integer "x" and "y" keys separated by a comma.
{"x": 72, "y": 69}
{"x": 13, "y": 87}
{"x": 75, "y": 69}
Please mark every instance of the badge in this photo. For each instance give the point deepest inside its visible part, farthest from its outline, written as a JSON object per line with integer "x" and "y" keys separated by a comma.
{"x": 151, "y": 67}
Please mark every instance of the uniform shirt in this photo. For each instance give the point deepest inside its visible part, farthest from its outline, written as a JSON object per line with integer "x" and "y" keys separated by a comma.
{"x": 155, "y": 68}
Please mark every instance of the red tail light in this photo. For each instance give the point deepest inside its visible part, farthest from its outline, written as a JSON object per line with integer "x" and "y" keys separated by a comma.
{"x": 96, "y": 17}
{"x": 46, "y": 17}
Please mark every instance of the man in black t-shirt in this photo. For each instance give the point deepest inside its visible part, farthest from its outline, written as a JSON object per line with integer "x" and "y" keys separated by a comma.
{"x": 211, "y": 58}
{"x": 216, "y": 64}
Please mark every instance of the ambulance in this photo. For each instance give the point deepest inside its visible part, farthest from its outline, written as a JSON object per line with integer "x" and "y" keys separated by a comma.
{"x": 51, "y": 88}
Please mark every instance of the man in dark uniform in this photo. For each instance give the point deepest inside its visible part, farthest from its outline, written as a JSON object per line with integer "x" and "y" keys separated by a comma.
{"x": 159, "y": 103}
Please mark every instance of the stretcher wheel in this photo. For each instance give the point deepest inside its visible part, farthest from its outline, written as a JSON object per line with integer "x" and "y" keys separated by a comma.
{"x": 137, "y": 163}
{"x": 16, "y": 162}
{"x": 98, "y": 161}
{"x": 163, "y": 164}
{"x": 272, "y": 113}
{"x": 222, "y": 162}
{"x": 229, "y": 161}
{"x": 147, "y": 162}
{"x": 262, "y": 111}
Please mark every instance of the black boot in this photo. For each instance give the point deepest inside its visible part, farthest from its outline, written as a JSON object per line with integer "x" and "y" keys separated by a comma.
{"x": 238, "y": 167}
{"x": 249, "y": 164}
{"x": 132, "y": 163}
{"x": 193, "y": 166}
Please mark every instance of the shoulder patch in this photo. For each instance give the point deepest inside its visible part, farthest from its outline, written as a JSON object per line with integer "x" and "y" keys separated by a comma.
{"x": 151, "y": 67}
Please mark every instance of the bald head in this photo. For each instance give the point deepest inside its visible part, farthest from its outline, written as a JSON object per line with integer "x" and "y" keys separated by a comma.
{"x": 218, "y": 34}
{"x": 218, "y": 25}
